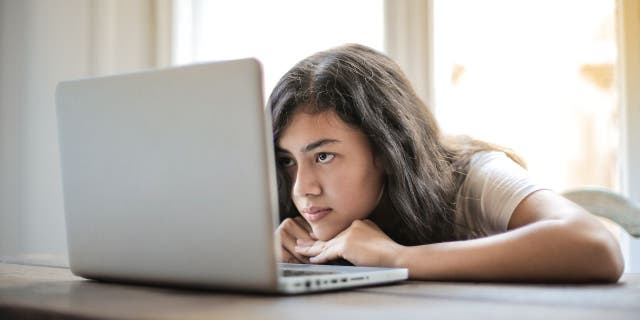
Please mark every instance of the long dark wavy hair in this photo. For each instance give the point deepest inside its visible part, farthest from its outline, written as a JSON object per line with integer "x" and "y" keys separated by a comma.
{"x": 368, "y": 91}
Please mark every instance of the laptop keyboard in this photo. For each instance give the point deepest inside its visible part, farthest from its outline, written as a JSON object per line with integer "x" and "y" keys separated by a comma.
{"x": 299, "y": 273}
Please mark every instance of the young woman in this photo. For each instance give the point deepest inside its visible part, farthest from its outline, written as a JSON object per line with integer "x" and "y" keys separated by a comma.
{"x": 366, "y": 176}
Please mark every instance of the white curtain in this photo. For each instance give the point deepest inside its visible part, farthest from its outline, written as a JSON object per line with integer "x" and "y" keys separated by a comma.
{"x": 42, "y": 43}
{"x": 408, "y": 40}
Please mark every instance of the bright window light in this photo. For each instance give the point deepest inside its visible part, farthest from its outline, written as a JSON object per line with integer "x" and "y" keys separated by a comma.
{"x": 536, "y": 76}
{"x": 278, "y": 33}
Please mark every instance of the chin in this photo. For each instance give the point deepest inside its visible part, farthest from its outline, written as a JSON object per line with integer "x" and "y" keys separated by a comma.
{"x": 325, "y": 234}
{"x": 322, "y": 235}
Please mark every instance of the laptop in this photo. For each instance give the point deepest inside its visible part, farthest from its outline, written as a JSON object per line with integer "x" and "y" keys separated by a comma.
{"x": 169, "y": 179}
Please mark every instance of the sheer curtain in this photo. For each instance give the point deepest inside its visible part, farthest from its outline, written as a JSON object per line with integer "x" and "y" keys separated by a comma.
{"x": 409, "y": 41}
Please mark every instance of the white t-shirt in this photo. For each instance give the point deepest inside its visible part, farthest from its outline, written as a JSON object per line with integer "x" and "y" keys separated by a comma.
{"x": 492, "y": 189}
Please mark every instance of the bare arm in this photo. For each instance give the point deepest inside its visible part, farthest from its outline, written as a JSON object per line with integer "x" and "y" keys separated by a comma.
{"x": 549, "y": 239}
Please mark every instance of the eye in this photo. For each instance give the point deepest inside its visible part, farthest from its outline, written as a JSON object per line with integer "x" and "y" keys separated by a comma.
{"x": 286, "y": 162}
{"x": 324, "y": 157}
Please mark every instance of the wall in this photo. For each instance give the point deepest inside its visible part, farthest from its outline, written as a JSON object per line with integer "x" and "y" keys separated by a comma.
{"x": 42, "y": 43}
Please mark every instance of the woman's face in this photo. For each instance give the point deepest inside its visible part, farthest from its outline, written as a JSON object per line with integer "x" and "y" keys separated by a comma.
{"x": 335, "y": 176}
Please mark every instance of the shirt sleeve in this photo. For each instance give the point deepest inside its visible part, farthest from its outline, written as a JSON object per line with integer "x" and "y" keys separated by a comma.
{"x": 493, "y": 188}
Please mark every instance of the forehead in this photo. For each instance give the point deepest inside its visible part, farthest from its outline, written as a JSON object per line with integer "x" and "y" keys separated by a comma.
{"x": 305, "y": 128}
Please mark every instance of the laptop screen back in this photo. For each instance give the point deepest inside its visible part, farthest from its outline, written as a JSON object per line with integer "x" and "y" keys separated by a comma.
{"x": 168, "y": 176}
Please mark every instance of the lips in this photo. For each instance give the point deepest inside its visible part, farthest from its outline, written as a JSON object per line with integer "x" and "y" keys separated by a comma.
{"x": 313, "y": 214}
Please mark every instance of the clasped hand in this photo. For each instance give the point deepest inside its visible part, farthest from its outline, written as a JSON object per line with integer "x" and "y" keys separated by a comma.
{"x": 362, "y": 244}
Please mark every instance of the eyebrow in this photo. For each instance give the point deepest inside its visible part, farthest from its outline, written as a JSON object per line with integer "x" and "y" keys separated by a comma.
{"x": 311, "y": 146}
{"x": 318, "y": 144}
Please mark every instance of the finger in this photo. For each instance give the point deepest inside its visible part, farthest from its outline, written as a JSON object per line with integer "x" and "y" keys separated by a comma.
{"x": 295, "y": 229}
{"x": 287, "y": 257}
{"x": 330, "y": 253}
{"x": 371, "y": 224}
{"x": 308, "y": 249}
{"x": 306, "y": 243}
{"x": 303, "y": 223}
{"x": 289, "y": 243}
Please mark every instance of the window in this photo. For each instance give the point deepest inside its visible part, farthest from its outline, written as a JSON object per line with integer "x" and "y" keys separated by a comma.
{"x": 535, "y": 76}
{"x": 540, "y": 77}
{"x": 279, "y": 33}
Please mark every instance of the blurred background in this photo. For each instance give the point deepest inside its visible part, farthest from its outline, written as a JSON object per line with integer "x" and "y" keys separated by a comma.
{"x": 552, "y": 80}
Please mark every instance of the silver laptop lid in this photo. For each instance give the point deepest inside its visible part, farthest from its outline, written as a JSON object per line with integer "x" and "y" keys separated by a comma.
{"x": 169, "y": 176}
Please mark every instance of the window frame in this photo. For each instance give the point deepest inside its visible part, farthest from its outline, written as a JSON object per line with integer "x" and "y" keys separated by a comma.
{"x": 628, "y": 76}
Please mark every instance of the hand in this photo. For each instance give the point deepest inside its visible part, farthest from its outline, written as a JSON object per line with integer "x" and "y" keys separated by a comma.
{"x": 362, "y": 243}
{"x": 289, "y": 231}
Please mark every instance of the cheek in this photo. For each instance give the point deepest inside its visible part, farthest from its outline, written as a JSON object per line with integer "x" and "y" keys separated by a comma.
{"x": 356, "y": 196}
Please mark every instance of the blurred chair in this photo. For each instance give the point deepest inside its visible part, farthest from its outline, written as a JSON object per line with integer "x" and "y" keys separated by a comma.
{"x": 605, "y": 203}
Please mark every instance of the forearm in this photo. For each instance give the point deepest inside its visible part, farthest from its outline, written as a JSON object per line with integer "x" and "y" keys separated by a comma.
{"x": 551, "y": 250}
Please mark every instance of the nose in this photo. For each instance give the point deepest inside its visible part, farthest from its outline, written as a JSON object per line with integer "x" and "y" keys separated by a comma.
{"x": 306, "y": 182}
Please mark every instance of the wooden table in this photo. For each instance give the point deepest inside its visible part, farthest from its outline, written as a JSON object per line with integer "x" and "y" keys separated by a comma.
{"x": 52, "y": 293}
